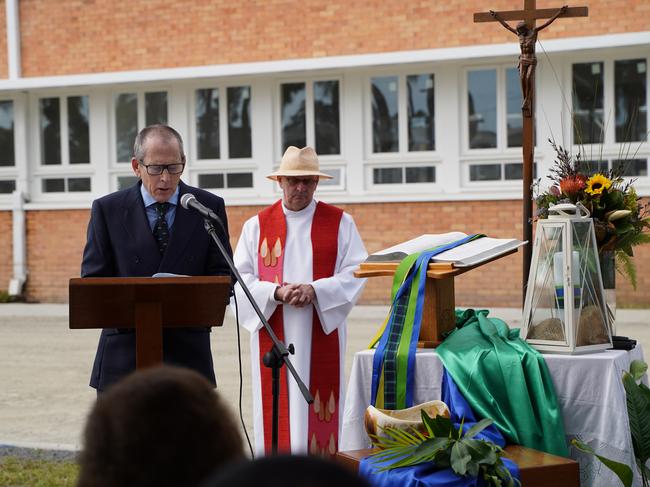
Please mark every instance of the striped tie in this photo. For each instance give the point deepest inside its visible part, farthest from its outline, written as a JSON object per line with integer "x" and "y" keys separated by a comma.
{"x": 160, "y": 229}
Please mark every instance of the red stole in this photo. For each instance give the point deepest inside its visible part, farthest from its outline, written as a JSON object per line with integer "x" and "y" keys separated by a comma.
{"x": 324, "y": 376}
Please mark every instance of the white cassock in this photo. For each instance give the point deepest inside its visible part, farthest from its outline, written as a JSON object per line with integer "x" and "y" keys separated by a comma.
{"x": 335, "y": 297}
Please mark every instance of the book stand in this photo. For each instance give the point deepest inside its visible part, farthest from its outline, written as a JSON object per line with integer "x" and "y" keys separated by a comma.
{"x": 438, "y": 314}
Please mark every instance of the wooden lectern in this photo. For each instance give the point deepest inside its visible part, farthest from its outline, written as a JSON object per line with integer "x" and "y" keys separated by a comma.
{"x": 148, "y": 304}
{"x": 438, "y": 315}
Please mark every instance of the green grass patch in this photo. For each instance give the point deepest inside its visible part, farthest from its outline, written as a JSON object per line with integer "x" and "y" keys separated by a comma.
{"x": 19, "y": 472}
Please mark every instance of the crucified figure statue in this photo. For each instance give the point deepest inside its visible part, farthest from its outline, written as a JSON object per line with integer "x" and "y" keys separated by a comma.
{"x": 527, "y": 58}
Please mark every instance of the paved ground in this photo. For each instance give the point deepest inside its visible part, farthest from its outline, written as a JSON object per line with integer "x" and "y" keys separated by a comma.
{"x": 44, "y": 368}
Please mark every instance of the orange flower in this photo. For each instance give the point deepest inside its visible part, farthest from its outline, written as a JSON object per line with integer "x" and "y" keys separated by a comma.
{"x": 572, "y": 185}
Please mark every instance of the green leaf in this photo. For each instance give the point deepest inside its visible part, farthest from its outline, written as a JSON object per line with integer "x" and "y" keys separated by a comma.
{"x": 439, "y": 426}
{"x": 638, "y": 409}
{"x": 460, "y": 457}
{"x": 638, "y": 369}
{"x": 481, "y": 451}
{"x": 622, "y": 471}
{"x": 432, "y": 446}
{"x": 477, "y": 428}
{"x": 625, "y": 227}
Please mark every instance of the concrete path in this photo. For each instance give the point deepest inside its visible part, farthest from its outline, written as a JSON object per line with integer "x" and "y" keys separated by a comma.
{"x": 45, "y": 367}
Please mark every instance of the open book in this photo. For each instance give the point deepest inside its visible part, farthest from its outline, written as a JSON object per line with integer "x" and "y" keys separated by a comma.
{"x": 466, "y": 255}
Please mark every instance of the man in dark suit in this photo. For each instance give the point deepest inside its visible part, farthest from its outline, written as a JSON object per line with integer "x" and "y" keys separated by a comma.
{"x": 143, "y": 230}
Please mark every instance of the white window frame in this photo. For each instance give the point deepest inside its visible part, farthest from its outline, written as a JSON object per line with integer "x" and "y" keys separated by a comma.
{"x": 140, "y": 93}
{"x": 503, "y": 183}
{"x": 224, "y": 165}
{"x": 502, "y": 112}
{"x": 10, "y": 172}
{"x": 65, "y": 170}
{"x": 329, "y": 161}
{"x": 120, "y": 169}
{"x": 609, "y": 149}
{"x": 403, "y": 158}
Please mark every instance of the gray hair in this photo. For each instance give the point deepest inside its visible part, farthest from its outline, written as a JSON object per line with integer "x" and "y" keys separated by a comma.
{"x": 165, "y": 132}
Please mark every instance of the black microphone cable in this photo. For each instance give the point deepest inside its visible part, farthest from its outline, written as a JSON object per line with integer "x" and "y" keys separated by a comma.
{"x": 241, "y": 375}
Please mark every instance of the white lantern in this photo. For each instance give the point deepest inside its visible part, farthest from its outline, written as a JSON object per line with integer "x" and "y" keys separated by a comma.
{"x": 565, "y": 309}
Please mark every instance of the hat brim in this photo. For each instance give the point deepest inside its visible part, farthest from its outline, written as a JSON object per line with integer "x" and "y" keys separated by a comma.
{"x": 297, "y": 173}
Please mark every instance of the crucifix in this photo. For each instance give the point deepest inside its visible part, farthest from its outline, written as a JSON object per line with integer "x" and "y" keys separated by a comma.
{"x": 526, "y": 31}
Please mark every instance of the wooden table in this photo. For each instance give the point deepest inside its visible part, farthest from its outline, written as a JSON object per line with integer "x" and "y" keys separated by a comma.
{"x": 537, "y": 469}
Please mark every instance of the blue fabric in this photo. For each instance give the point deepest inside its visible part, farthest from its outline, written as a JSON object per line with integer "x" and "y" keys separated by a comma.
{"x": 385, "y": 358}
{"x": 426, "y": 474}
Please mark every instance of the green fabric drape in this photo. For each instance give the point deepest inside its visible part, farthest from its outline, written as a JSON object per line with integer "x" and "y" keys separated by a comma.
{"x": 503, "y": 378}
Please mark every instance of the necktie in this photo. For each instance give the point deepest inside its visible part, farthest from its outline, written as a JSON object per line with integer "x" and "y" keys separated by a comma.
{"x": 160, "y": 228}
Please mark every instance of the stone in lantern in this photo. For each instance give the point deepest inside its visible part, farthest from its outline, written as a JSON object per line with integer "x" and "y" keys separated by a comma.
{"x": 565, "y": 308}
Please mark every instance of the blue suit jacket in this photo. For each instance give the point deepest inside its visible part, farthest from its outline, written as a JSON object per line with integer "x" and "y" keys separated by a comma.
{"x": 120, "y": 244}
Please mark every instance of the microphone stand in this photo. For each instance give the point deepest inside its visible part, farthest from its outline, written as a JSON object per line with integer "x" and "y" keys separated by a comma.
{"x": 279, "y": 353}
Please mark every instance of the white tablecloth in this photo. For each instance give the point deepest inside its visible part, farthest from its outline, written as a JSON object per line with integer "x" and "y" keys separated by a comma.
{"x": 588, "y": 387}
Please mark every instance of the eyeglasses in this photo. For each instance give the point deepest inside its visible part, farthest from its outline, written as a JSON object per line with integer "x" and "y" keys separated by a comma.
{"x": 157, "y": 169}
{"x": 294, "y": 181}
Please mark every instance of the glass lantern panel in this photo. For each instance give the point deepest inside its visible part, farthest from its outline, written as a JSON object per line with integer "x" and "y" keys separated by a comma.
{"x": 589, "y": 316}
{"x": 547, "y": 309}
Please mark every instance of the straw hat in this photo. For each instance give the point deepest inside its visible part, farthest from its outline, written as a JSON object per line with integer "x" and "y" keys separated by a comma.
{"x": 299, "y": 162}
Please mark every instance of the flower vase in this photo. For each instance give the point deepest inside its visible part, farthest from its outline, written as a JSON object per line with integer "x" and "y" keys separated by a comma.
{"x": 608, "y": 273}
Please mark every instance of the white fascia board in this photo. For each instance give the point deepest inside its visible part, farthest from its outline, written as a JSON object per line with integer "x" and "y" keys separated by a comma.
{"x": 332, "y": 62}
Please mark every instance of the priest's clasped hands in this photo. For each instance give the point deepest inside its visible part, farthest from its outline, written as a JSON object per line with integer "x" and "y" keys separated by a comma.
{"x": 297, "y": 295}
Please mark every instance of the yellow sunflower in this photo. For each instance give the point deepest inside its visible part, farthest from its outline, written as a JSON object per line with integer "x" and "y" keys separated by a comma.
{"x": 597, "y": 183}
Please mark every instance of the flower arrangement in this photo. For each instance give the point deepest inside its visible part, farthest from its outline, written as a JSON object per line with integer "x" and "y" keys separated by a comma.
{"x": 621, "y": 221}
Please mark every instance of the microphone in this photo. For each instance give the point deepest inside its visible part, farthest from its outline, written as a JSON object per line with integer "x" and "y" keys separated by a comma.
{"x": 188, "y": 200}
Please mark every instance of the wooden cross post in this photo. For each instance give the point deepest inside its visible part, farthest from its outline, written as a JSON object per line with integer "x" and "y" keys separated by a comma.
{"x": 526, "y": 31}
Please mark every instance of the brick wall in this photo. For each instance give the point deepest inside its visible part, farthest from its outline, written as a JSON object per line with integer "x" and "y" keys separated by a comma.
{"x": 74, "y": 36}
{"x": 56, "y": 240}
{"x": 6, "y": 246}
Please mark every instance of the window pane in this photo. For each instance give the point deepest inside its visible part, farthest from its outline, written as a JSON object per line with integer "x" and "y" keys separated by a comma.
{"x": 50, "y": 131}
{"x": 78, "y": 131}
{"x": 485, "y": 172}
{"x": 421, "y": 119}
{"x": 207, "y": 124}
{"x": 126, "y": 125}
{"x": 7, "y": 155}
{"x": 54, "y": 185}
{"x": 514, "y": 170}
{"x": 239, "y": 179}
{"x": 294, "y": 128}
{"x": 387, "y": 175}
{"x": 385, "y": 135}
{"x": 588, "y": 125}
{"x": 78, "y": 184}
{"x": 336, "y": 178}
{"x": 591, "y": 167}
{"x": 7, "y": 186}
{"x": 631, "y": 167}
{"x": 211, "y": 181}
{"x": 239, "y": 122}
{"x": 631, "y": 100}
{"x": 421, "y": 174}
{"x": 514, "y": 100}
{"x": 126, "y": 181}
{"x": 482, "y": 108}
{"x": 326, "y": 117}
{"x": 155, "y": 107}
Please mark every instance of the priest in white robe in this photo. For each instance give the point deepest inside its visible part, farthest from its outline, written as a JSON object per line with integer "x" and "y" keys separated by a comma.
{"x": 297, "y": 257}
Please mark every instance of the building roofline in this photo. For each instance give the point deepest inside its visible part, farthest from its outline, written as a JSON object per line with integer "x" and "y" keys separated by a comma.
{"x": 331, "y": 62}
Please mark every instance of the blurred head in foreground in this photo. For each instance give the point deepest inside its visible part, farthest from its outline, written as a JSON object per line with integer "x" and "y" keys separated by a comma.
{"x": 284, "y": 470}
{"x": 164, "y": 426}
